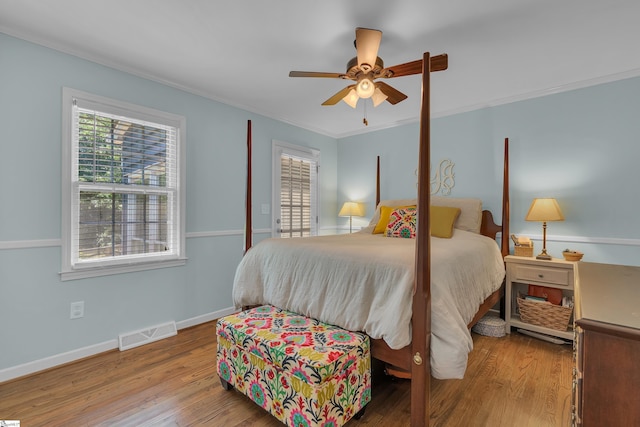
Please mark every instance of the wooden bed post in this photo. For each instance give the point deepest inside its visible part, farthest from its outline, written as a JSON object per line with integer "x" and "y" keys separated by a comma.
{"x": 377, "y": 184}
{"x": 504, "y": 238}
{"x": 421, "y": 327}
{"x": 248, "y": 231}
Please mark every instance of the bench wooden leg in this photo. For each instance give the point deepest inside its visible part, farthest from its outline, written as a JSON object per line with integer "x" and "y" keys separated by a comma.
{"x": 360, "y": 414}
{"x": 225, "y": 385}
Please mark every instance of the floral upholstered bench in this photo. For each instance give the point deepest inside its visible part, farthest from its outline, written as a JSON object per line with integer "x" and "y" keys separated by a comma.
{"x": 304, "y": 372}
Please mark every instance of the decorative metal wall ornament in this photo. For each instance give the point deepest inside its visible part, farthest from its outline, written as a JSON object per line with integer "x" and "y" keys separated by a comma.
{"x": 443, "y": 179}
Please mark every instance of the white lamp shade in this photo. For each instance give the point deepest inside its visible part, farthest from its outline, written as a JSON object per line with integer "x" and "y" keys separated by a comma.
{"x": 378, "y": 97}
{"x": 544, "y": 210}
{"x": 351, "y": 99}
{"x": 351, "y": 209}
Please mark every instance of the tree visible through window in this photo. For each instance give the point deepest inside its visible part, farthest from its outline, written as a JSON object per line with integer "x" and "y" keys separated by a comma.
{"x": 123, "y": 153}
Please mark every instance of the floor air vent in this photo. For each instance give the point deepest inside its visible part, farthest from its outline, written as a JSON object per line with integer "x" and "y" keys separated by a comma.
{"x": 145, "y": 336}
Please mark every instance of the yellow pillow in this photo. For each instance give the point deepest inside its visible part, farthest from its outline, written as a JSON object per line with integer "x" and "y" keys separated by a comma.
{"x": 442, "y": 220}
{"x": 385, "y": 212}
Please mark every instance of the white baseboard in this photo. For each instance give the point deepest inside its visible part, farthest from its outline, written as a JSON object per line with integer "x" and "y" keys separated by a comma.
{"x": 205, "y": 318}
{"x": 28, "y": 368}
{"x": 55, "y": 360}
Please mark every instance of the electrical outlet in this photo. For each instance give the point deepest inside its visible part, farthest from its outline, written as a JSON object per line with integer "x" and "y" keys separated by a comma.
{"x": 265, "y": 208}
{"x": 77, "y": 310}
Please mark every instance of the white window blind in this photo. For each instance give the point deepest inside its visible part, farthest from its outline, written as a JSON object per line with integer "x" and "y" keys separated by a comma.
{"x": 296, "y": 171}
{"x": 124, "y": 201}
{"x": 295, "y": 197}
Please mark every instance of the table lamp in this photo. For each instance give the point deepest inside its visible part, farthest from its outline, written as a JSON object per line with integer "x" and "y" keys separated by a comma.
{"x": 544, "y": 210}
{"x": 351, "y": 209}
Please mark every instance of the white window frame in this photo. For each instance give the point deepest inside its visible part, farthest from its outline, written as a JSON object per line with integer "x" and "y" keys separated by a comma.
{"x": 278, "y": 148}
{"x": 72, "y": 268}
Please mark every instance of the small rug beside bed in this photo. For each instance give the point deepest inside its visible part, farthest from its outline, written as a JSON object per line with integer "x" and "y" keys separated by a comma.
{"x": 490, "y": 326}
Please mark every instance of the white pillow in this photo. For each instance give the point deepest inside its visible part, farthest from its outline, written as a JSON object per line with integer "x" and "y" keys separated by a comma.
{"x": 470, "y": 218}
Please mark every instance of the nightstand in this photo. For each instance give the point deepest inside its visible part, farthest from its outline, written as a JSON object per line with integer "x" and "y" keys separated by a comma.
{"x": 525, "y": 271}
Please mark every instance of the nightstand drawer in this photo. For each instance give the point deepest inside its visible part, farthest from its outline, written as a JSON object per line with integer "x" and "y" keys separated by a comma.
{"x": 557, "y": 276}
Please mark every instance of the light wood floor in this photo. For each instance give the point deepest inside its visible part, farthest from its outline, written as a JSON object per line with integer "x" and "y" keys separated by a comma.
{"x": 511, "y": 381}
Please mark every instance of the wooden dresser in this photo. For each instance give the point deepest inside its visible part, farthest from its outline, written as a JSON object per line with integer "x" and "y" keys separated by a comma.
{"x": 607, "y": 346}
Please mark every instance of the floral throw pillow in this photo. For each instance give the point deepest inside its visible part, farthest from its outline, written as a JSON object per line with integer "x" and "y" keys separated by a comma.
{"x": 402, "y": 223}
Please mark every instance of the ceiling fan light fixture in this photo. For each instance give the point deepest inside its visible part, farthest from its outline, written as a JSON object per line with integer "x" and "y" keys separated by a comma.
{"x": 351, "y": 99}
{"x": 365, "y": 86}
{"x": 365, "y": 70}
{"x": 378, "y": 97}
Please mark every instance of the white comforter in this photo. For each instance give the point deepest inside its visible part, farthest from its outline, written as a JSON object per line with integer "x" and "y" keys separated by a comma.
{"x": 365, "y": 282}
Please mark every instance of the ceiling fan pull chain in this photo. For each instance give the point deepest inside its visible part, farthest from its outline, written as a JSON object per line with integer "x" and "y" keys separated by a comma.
{"x": 364, "y": 119}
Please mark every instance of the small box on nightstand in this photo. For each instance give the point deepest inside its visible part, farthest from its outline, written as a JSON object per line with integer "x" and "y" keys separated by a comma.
{"x": 520, "y": 250}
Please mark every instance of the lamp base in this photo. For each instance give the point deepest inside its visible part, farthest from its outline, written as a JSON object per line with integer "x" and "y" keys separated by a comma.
{"x": 544, "y": 255}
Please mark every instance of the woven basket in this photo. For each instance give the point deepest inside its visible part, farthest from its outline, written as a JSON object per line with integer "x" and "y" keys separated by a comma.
{"x": 544, "y": 314}
{"x": 572, "y": 256}
{"x": 523, "y": 250}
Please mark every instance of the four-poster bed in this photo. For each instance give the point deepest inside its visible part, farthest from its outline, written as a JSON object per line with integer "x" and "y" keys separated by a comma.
{"x": 414, "y": 359}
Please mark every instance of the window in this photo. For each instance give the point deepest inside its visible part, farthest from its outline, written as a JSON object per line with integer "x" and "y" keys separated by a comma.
{"x": 295, "y": 190}
{"x": 122, "y": 186}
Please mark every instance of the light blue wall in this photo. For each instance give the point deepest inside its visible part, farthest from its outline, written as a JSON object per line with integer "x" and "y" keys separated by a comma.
{"x": 581, "y": 147}
{"x": 34, "y": 303}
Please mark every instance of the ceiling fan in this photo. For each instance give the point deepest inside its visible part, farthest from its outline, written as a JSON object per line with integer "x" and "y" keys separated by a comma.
{"x": 366, "y": 67}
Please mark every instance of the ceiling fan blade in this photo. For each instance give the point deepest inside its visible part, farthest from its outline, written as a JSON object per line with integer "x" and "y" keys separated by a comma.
{"x": 406, "y": 69}
{"x": 338, "y": 96}
{"x": 367, "y": 44}
{"x": 393, "y": 95}
{"x": 315, "y": 74}
{"x": 438, "y": 63}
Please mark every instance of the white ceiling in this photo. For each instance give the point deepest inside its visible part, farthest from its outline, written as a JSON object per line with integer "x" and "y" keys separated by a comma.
{"x": 240, "y": 52}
